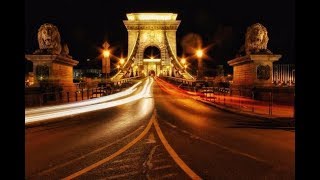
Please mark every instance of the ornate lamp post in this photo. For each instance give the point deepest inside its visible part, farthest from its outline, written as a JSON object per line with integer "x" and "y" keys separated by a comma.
{"x": 199, "y": 54}
{"x": 106, "y": 61}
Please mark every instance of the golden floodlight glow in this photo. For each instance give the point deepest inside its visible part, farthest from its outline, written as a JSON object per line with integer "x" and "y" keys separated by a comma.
{"x": 106, "y": 53}
{"x": 199, "y": 53}
{"x": 183, "y": 60}
{"x": 121, "y": 61}
{"x": 145, "y": 92}
{"x": 43, "y": 110}
{"x": 185, "y": 66}
{"x": 151, "y": 16}
{"x": 118, "y": 66}
{"x": 151, "y": 60}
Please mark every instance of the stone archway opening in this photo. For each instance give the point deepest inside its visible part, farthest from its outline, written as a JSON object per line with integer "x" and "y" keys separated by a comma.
{"x": 151, "y": 52}
{"x": 152, "y": 73}
{"x": 152, "y": 60}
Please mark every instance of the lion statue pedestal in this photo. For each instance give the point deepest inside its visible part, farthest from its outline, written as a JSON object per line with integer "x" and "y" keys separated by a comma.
{"x": 255, "y": 67}
{"x": 253, "y": 70}
{"x": 51, "y": 62}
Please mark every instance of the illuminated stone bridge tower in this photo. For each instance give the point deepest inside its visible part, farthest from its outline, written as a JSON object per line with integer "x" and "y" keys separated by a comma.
{"x": 157, "y": 30}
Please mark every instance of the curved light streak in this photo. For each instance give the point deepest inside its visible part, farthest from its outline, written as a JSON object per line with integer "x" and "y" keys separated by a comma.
{"x": 84, "y": 102}
{"x": 145, "y": 92}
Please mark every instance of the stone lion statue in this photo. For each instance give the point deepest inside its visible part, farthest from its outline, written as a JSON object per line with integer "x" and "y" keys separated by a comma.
{"x": 49, "y": 39}
{"x": 256, "y": 40}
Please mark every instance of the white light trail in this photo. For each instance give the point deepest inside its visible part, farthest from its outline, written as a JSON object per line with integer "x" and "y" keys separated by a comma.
{"x": 84, "y": 102}
{"x": 145, "y": 92}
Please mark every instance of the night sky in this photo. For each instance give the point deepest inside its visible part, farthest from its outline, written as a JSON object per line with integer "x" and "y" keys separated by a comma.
{"x": 85, "y": 25}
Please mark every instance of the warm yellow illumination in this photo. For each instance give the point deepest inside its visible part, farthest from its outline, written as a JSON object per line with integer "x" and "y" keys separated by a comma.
{"x": 121, "y": 61}
{"x": 199, "y": 53}
{"x": 151, "y": 16}
{"x": 45, "y": 114}
{"x": 185, "y": 66}
{"x": 183, "y": 60}
{"x": 151, "y": 60}
{"x": 106, "y": 53}
{"x": 118, "y": 66}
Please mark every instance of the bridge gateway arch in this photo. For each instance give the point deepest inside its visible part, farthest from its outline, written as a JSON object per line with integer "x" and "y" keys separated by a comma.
{"x": 157, "y": 30}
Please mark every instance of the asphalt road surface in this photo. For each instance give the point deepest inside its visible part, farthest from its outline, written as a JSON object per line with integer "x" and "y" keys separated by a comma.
{"x": 160, "y": 136}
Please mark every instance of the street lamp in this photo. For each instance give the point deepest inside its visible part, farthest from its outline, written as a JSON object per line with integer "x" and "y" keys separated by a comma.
{"x": 183, "y": 61}
{"x": 121, "y": 61}
{"x": 106, "y": 53}
{"x": 199, "y": 54}
{"x": 105, "y": 60}
{"x": 106, "y": 63}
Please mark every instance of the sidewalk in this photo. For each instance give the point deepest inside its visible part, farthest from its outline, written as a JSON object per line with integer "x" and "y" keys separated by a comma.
{"x": 277, "y": 118}
{"x": 240, "y": 105}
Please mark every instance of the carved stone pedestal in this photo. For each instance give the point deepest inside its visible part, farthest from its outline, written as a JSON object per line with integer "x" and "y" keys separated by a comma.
{"x": 58, "y": 70}
{"x": 253, "y": 70}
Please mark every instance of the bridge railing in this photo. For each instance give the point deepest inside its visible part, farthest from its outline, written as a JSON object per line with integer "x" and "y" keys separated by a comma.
{"x": 38, "y": 98}
{"x": 124, "y": 80}
{"x": 274, "y": 101}
{"x": 180, "y": 80}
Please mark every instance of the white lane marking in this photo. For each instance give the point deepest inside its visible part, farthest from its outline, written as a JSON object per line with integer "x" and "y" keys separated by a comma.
{"x": 90, "y": 153}
{"x": 151, "y": 139}
{"x": 174, "y": 155}
{"x": 126, "y": 147}
{"x": 173, "y": 126}
{"x": 148, "y": 162}
{"x": 222, "y": 146}
{"x": 163, "y": 167}
{"x": 168, "y": 175}
{"x": 126, "y": 160}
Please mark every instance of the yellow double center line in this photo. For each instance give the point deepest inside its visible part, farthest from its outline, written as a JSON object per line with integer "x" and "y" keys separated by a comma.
{"x": 170, "y": 150}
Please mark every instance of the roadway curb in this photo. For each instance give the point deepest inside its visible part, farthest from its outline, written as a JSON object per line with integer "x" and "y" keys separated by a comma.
{"x": 287, "y": 120}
